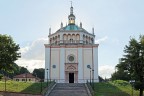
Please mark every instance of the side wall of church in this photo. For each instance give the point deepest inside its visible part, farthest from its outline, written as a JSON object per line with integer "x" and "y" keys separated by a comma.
{"x": 95, "y": 54}
{"x": 47, "y": 62}
{"x": 55, "y": 63}
{"x": 87, "y": 60}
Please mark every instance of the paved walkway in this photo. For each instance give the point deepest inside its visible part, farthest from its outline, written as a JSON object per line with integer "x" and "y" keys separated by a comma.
{"x": 69, "y": 89}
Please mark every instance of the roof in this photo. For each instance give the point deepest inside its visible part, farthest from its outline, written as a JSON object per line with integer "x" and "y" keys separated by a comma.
{"x": 71, "y": 27}
{"x": 26, "y": 75}
{"x": 71, "y": 15}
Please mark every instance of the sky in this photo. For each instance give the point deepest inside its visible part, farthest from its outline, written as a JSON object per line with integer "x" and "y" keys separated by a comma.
{"x": 114, "y": 21}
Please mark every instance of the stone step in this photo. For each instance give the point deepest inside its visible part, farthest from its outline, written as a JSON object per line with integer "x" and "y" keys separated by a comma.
{"x": 69, "y": 89}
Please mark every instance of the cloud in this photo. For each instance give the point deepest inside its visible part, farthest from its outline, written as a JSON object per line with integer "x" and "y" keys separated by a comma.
{"x": 105, "y": 71}
{"x": 101, "y": 40}
{"x": 35, "y": 50}
{"x": 32, "y": 55}
{"x": 32, "y": 64}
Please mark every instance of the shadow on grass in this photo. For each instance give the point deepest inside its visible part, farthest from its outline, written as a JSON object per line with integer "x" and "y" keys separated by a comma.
{"x": 107, "y": 89}
{"x": 35, "y": 88}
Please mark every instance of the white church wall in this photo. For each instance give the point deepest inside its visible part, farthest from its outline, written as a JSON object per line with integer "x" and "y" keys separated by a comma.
{"x": 55, "y": 72}
{"x": 80, "y": 64}
{"x": 62, "y": 65}
{"x": 95, "y": 53}
{"x": 47, "y": 62}
{"x": 87, "y": 60}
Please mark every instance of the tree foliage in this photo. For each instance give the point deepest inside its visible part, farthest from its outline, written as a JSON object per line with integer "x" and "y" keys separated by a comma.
{"x": 121, "y": 72}
{"x": 23, "y": 70}
{"x": 133, "y": 62}
{"x": 39, "y": 73}
{"x": 8, "y": 52}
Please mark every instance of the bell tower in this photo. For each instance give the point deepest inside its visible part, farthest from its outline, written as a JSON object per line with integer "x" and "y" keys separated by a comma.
{"x": 71, "y": 17}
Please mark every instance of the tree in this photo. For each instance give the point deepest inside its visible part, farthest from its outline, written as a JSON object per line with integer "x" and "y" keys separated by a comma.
{"x": 15, "y": 71}
{"x": 8, "y": 53}
{"x": 23, "y": 70}
{"x": 39, "y": 73}
{"x": 121, "y": 73}
{"x": 133, "y": 62}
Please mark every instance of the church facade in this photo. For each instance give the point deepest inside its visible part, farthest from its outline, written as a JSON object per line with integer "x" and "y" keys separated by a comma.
{"x": 71, "y": 55}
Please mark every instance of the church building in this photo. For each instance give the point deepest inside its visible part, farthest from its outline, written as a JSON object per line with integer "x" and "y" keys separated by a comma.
{"x": 71, "y": 55}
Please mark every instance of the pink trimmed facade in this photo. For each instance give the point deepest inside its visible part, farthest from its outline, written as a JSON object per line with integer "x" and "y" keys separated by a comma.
{"x": 71, "y": 55}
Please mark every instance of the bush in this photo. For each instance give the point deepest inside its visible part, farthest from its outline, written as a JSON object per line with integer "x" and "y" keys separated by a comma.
{"x": 121, "y": 82}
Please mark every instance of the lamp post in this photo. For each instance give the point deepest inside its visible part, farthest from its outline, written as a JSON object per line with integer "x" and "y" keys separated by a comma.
{"x": 93, "y": 78}
{"x": 47, "y": 76}
{"x": 90, "y": 73}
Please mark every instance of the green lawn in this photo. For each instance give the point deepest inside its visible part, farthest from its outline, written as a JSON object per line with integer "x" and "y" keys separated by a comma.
{"x": 115, "y": 88}
{"x": 24, "y": 87}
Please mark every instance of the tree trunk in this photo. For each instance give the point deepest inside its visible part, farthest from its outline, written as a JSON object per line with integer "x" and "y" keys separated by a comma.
{"x": 141, "y": 92}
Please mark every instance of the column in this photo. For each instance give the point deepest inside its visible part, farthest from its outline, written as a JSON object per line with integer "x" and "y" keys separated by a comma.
{"x": 61, "y": 38}
{"x": 81, "y": 38}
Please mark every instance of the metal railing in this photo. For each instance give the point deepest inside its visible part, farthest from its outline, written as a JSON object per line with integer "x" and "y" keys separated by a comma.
{"x": 91, "y": 88}
{"x": 29, "y": 87}
{"x": 48, "y": 89}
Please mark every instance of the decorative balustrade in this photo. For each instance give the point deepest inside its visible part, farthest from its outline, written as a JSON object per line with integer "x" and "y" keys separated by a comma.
{"x": 70, "y": 42}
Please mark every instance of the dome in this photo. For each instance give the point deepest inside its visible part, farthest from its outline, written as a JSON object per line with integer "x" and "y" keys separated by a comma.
{"x": 71, "y": 15}
{"x": 72, "y": 27}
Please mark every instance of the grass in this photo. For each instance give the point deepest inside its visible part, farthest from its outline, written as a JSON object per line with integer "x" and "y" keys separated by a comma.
{"x": 115, "y": 88}
{"x": 23, "y": 87}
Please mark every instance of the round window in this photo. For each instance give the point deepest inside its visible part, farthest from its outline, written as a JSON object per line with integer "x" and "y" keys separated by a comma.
{"x": 71, "y": 58}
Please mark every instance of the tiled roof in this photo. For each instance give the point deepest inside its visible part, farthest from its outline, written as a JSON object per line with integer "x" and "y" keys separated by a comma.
{"x": 26, "y": 75}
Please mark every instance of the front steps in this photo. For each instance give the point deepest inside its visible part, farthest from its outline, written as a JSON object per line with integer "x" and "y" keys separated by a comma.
{"x": 69, "y": 89}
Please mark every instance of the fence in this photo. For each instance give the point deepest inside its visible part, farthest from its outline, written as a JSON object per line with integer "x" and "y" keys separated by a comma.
{"x": 27, "y": 88}
{"x": 91, "y": 88}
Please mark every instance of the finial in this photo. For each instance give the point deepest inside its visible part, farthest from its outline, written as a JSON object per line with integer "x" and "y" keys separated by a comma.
{"x": 61, "y": 25}
{"x": 49, "y": 31}
{"x": 80, "y": 24}
{"x": 93, "y": 30}
{"x": 71, "y": 9}
{"x": 71, "y": 3}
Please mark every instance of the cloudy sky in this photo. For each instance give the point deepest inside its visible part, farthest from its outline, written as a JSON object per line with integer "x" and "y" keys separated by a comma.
{"x": 115, "y": 21}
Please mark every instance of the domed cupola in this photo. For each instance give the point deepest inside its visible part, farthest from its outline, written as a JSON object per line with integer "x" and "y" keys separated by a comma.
{"x": 71, "y": 17}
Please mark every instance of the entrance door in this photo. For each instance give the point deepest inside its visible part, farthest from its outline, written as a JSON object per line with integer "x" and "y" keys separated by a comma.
{"x": 71, "y": 77}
